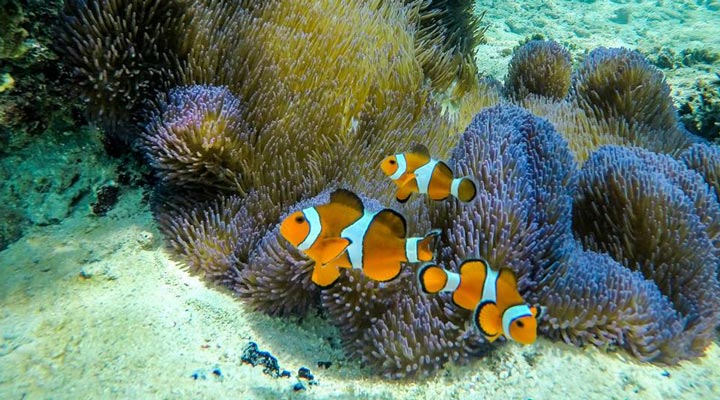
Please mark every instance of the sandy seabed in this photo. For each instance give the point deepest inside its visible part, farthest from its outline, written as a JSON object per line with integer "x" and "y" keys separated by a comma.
{"x": 95, "y": 308}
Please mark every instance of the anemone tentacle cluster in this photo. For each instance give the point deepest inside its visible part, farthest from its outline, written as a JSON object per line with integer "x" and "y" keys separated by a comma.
{"x": 242, "y": 132}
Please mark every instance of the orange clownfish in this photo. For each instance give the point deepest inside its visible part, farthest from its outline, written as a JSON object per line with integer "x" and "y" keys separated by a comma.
{"x": 493, "y": 295}
{"x": 417, "y": 172}
{"x": 342, "y": 234}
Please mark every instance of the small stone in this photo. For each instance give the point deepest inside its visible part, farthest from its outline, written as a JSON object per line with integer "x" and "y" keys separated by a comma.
{"x": 324, "y": 364}
{"x": 305, "y": 373}
{"x": 298, "y": 387}
{"x": 146, "y": 240}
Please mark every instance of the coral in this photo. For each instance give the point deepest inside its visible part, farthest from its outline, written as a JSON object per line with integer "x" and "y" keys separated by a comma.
{"x": 665, "y": 227}
{"x": 618, "y": 82}
{"x": 521, "y": 216}
{"x": 198, "y": 137}
{"x": 12, "y": 35}
{"x": 705, "y": 159}
{"x": 540, "y": 67}
{"x": 123, "y": 52}
{"x": 700, "y": 112}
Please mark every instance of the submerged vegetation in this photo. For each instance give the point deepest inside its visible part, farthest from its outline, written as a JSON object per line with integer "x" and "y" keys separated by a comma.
{"x": 250, "y": 110}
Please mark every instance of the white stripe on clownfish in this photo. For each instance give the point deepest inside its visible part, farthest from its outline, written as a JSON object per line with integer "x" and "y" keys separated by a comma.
{"x": 411, "y": 249}
{"x": 423, "y": 175}
{"x": 490, "y": 286}
{"x": 401, "y": 167}
{"x": 313, "y": 219}
{"x": 357, "y": 231}
{"x": 455, "y": 186}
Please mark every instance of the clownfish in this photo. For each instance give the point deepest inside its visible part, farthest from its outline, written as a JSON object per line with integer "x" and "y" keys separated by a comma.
{"x": 417, "y": 172}
{"x": 342, "y": 234}
{"x": 493, "y": 295}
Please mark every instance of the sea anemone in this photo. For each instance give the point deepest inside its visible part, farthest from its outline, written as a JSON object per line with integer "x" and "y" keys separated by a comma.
{"x": 654, "y": 215}
{"x": 705, "y": 159}
{"x": 618, "y": 82}
{"x": 539, "y": 67}
{"x": 123, "y": 53}
{"x": 521, "y": 216}
{"x": 198, "y": 136}
{"x": 593, "y": 299}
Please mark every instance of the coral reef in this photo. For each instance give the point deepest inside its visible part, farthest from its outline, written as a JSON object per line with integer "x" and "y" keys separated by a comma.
{"x": 539, "y": 67}
{"x": 700, "y": 112}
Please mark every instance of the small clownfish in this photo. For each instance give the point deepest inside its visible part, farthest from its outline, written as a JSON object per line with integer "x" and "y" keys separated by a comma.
{"x": 417, "y": 172}
{"x": 342, "y": 234}
{"x": 493, "y": 295}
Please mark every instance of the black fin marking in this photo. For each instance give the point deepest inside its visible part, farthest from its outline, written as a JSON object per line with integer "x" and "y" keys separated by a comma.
{"x": 347, "y": 198}
{"x": 394, "y": 220}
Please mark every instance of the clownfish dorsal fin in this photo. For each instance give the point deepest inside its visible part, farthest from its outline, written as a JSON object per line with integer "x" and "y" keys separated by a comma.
{"x": 487, "y": 320}
{"x": 508, "y": 275}
{"x": 420, "y": 150}
{"x": 474, "y": 265}
{"x": 347, "y": 198}
{"x": 393, "y": 221}
{"x": 444, "y": 169}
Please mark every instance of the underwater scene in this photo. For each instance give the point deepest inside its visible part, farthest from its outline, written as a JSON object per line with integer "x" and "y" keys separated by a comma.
{"x": 359, "y": 199}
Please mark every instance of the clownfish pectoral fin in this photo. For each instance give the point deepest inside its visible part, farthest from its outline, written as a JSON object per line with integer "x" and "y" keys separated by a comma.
{"x": 347, "y": 198}
{"x": 393, "y": 221}
{"x": 325, "y": 275}
{"x": 538, "y": 312}
{"x": 329, "y": 249}
{"x": 405, "y": 179}
{"x": 404, "y": 191}
{"x": 487, "y": 320}
{"x": 432, "y": 278}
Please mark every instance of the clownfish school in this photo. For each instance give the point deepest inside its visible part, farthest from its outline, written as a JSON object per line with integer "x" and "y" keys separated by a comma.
{"x": 342, "y": 234}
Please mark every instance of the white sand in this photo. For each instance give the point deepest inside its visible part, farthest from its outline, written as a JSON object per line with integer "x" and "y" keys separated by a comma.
{"x": 140, "y": 326}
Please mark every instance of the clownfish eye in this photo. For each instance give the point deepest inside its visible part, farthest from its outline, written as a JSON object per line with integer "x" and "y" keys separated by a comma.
{"x": 519, "y": 324}
{"x": 392, "y": 162}
{"x": 299, "y": 219}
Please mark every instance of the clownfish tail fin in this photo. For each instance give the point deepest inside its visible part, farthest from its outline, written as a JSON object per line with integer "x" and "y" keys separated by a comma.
{"x": 432, "y": 278}
{"x": 465, "y": 189}
{"x": 426, "y": 246}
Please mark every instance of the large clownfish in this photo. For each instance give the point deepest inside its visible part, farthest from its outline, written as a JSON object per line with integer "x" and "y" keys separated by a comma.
{"x": 493, "y": 295}
{"x": 342, "y": 234}
{"x": 417, "y": 172}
